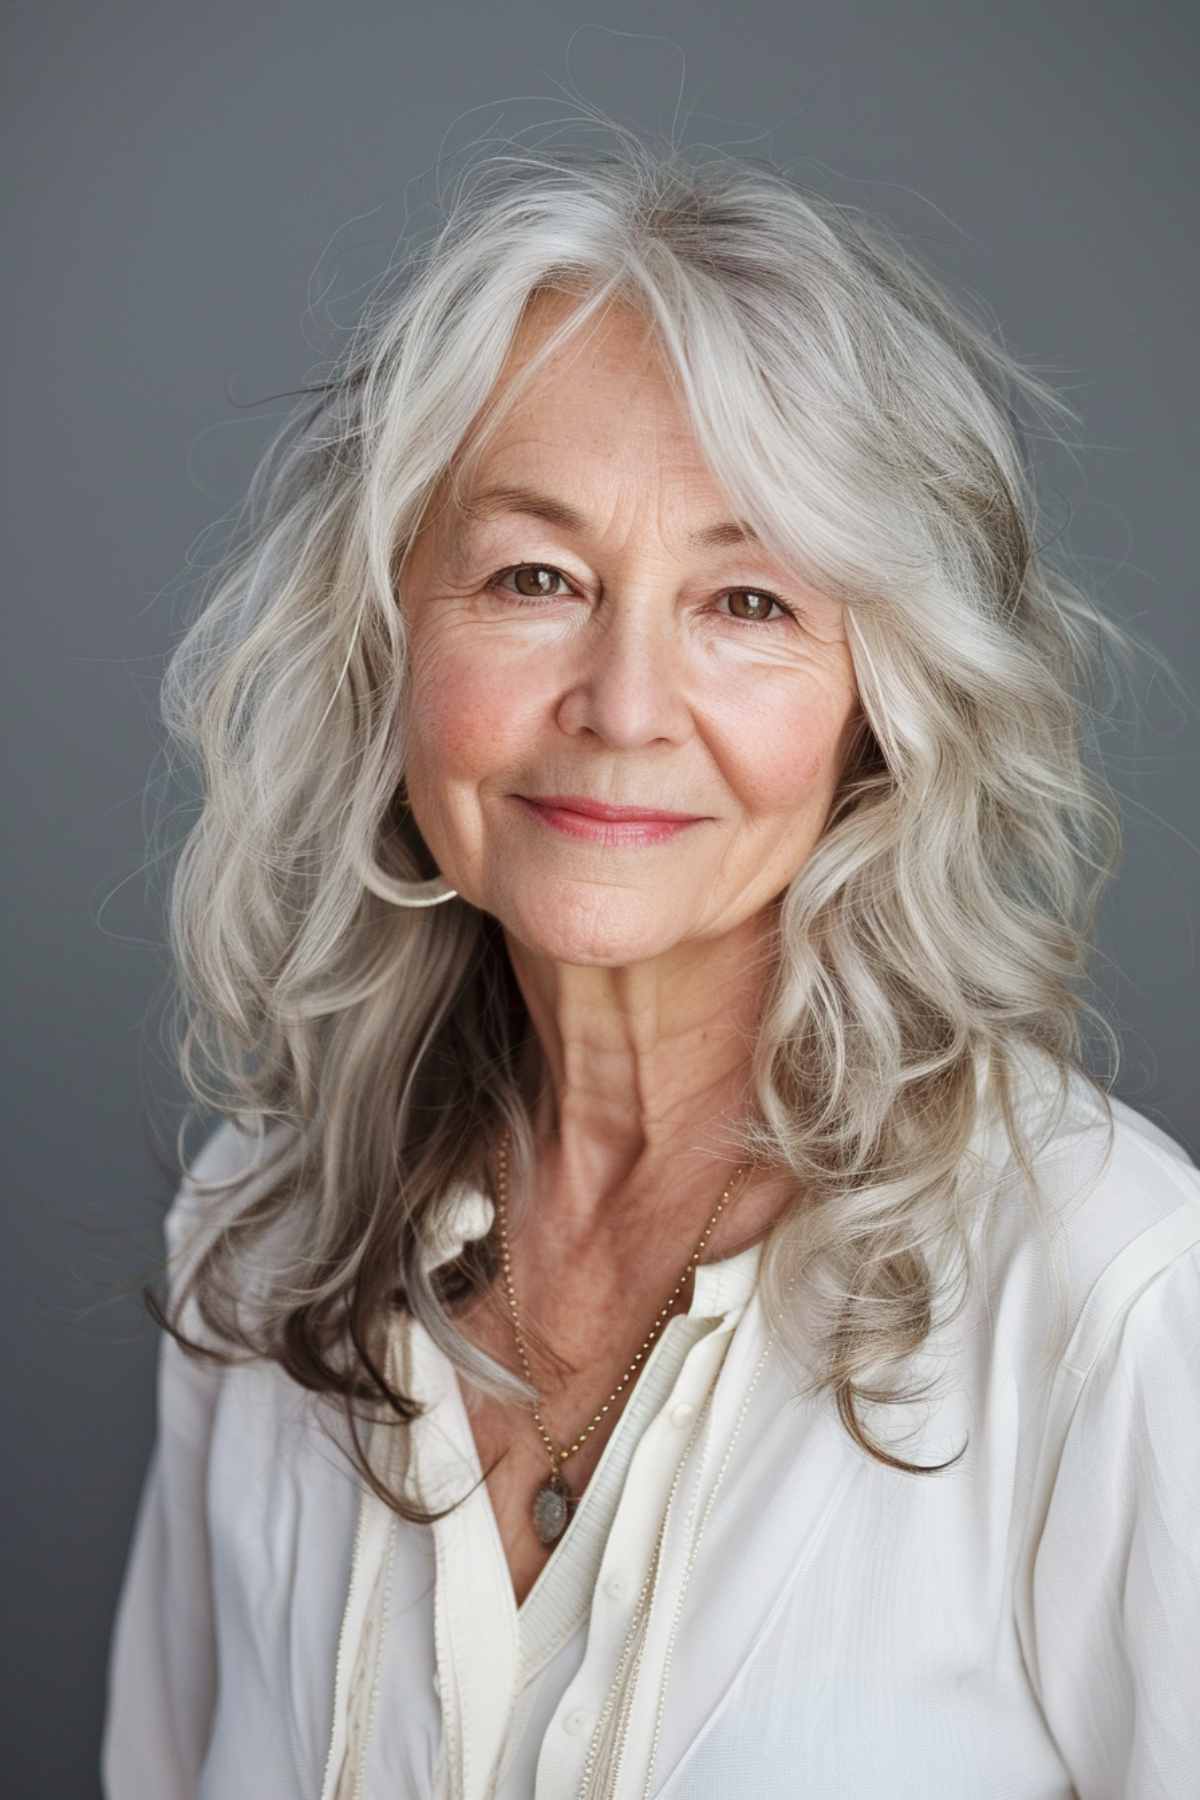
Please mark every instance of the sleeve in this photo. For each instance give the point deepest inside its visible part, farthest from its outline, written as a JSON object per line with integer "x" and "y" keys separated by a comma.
{"x": 1116, "y": 1579}
{"x": 162, "y": 1655}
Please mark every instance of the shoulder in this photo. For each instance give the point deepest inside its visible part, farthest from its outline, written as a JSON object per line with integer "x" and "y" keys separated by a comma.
{"x": 1131, "y": 1236}
{"x": 1119, "y": 1198}
{"x": 232, "y": 1166}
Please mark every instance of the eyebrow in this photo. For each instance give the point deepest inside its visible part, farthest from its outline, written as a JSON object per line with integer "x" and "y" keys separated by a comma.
{"x": 533, "y": 505}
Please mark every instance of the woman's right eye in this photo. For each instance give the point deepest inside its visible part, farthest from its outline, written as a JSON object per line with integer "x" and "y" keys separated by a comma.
{"x": 524, "y": 570}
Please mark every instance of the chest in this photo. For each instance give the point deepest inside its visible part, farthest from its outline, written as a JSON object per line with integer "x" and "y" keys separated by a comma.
{"x": 580, "y": 1408}
{"x": 809, "y": 1608}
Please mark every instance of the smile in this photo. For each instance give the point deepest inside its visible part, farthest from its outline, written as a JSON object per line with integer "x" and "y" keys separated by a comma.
{"x": 614, "y": 832}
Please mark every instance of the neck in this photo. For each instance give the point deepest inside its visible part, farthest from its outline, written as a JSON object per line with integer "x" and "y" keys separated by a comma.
{"x": 636, "y": 1075}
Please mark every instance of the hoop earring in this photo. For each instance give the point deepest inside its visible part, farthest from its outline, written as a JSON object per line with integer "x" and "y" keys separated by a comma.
{"x": 421, "y": 893}
{"x": 416, "y": 893}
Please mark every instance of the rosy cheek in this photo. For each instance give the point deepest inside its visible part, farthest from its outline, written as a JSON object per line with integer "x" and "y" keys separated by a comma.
{"x": 784, "y": 766}
{"x": 800, "y": 753}
{"x": 466, "y": 716}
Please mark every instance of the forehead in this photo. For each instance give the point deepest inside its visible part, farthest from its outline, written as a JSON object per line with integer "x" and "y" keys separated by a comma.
{"x": 607, "y": 390}
{"x": 522, "y": 500}
{"x": 600, "y": 421}
{"x": 617, "y": 340}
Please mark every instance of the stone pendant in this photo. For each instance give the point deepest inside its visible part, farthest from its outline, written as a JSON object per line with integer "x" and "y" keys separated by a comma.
{"x": 552, "y": 1508}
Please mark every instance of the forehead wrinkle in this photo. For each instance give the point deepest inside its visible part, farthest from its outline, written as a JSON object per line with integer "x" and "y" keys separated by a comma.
{"x": 531, "y": 503}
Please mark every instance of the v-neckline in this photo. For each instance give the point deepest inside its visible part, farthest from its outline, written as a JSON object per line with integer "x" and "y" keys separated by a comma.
{"x": 568, "y": 1546}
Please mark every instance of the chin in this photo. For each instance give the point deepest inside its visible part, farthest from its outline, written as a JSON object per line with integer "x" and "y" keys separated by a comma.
{"x": 571, "y": 932}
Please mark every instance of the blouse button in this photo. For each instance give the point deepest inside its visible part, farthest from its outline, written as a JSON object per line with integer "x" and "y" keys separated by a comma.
{"x": 575, "y": 1721}
{"x": 682, "y": 1413}
{"x": 614, "y": 1587}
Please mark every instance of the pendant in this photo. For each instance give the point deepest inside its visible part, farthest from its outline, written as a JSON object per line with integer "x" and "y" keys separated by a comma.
{"x": 552, "y": 1508}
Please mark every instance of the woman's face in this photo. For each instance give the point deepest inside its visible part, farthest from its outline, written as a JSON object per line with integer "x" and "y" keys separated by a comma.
{"x": 627, "y": 660}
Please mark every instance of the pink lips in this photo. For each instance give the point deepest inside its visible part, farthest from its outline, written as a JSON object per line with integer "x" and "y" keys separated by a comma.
{"x": 612, "y": 825}
{"x": 597, "y": 809}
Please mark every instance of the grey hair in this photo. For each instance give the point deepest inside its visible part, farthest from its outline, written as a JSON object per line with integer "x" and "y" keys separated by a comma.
{"x": 928, "y": 955}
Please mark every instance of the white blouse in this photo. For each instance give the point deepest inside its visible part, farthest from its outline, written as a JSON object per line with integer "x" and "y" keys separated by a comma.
{"x": 743, "y": 1602}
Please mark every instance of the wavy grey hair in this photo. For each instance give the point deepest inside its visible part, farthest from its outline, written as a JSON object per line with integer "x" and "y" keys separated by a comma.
{"x": 928, "y": 953}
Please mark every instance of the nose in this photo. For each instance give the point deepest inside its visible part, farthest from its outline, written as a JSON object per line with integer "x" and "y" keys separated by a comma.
{"x": 628, "y": 678}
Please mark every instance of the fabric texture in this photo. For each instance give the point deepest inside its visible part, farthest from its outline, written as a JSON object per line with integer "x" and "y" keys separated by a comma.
{"x": 743, "y": 1601}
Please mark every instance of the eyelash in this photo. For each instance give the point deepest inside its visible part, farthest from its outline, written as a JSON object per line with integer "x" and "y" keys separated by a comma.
{"x": 493, "y": 585}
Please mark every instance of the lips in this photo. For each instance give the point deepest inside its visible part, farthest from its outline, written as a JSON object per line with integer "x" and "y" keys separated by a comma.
{"x": 613, "y": 834}
{"x": 598, "y": 809}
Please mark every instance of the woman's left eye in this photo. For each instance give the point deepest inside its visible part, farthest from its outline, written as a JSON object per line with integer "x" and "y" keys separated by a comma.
{"x": 761, "y": 596}
{"x": 767, "y": 600}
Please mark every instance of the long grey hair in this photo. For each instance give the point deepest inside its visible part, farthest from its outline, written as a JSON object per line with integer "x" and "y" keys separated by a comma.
{"x": 929, "y": 956}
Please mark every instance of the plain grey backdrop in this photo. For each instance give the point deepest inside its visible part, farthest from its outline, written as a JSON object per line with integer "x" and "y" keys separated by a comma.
{"x": 197, "y": 199}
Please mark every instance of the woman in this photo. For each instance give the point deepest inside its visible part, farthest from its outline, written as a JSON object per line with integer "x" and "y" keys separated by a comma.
{"x": 682, "y": 1319}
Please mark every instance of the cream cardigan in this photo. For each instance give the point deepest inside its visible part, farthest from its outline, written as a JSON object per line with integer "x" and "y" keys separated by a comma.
{"x": 743, "y": 1603}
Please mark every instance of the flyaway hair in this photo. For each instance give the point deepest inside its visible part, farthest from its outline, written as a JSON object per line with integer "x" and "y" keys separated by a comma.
{"x": 929, "y": 957}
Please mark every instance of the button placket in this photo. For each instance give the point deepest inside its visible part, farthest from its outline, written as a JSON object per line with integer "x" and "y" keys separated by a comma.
{"x": 633, "y": 1529}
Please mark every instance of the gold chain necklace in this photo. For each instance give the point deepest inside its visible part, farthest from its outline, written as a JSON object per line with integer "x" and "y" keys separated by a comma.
{"x": 553, "y": 1502}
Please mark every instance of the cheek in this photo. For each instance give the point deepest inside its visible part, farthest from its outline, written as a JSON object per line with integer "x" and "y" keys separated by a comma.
{"x": 787, "y": 754}
{"x": 466, "y": 721}
{"x": 779, "y": 773}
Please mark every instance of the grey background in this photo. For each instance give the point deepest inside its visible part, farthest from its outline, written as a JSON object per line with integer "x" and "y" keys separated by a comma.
{"x": 196, "y": 199}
